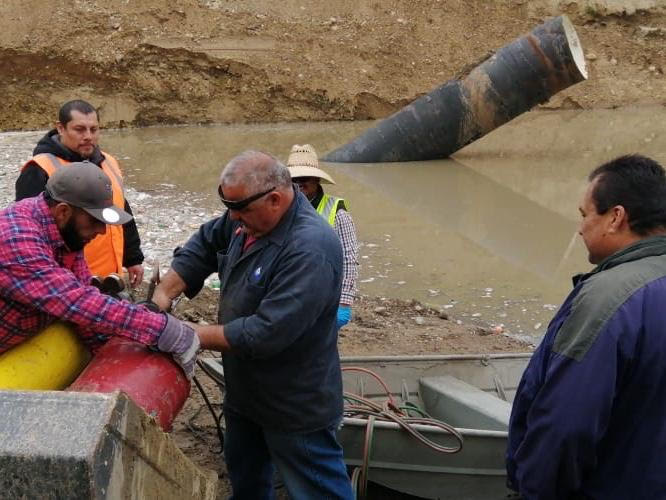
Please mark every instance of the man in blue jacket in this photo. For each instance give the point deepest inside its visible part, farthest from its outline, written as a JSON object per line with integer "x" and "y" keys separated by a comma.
{"x": 280, "y": 269}
{"x": 588, "y": 419}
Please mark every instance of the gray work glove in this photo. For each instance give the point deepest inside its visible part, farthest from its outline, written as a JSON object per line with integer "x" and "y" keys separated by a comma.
{"x": 182, "y": 342}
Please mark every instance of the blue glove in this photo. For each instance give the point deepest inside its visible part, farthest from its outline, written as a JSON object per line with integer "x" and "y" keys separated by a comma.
{"x": 344, "y": 316}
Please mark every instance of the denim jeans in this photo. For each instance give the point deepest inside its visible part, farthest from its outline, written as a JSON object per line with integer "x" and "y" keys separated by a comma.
{"x": 310, "y": 464}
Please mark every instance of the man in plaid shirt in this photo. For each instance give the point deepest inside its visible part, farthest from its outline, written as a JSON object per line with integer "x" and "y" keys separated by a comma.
{"x": 44, "y": 277}
{"x": 306, "y": 174}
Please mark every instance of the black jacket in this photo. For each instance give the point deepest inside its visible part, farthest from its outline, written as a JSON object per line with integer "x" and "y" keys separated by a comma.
{"x": 278, "y": 304}
{"x": 32, "y": 181}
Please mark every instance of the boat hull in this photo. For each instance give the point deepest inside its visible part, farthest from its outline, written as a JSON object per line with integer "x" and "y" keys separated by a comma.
{"x": 399, "y": 462}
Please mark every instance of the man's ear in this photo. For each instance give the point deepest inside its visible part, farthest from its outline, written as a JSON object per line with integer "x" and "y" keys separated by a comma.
{"x": 619, "y": 219}
{"x": 275, "y": 199}
{"x": 62, "y": 213}
{"x": 60, "y": 127}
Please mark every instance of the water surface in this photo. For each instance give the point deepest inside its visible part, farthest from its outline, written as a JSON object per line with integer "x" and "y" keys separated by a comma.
{"x": 490, "y": 233}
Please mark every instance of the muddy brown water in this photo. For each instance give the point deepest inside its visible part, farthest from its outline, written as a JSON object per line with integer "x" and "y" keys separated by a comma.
{"x": 490, "y": 234}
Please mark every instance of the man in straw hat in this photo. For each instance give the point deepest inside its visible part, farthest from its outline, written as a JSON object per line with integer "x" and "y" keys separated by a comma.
{"x": 44, "y": 277}
{"x": 305, "y": 172}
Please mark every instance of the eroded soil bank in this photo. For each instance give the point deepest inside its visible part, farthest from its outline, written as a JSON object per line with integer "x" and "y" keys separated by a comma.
{"x": 201, "y": 61}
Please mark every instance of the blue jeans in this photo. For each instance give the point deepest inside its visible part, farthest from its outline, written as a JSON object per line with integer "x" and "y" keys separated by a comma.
{"x": 310, "y": 464}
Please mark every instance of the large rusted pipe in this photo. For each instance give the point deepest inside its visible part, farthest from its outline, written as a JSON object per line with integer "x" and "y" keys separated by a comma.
{"x": 522, "y": 74}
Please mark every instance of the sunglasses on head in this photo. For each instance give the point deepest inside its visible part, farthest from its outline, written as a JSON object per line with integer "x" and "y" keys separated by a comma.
{"x": 241, "y": 204}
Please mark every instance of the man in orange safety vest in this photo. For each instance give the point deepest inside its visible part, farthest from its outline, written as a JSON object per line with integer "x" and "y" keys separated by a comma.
{"x": 75, "y": 139}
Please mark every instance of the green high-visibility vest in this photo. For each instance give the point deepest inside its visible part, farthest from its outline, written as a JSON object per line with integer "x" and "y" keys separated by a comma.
{"x": 329, "y": 206}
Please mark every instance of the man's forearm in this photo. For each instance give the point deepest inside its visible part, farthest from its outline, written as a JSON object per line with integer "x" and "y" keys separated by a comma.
{"x": 212, "y": 337}
{"x": 170, "y": 287}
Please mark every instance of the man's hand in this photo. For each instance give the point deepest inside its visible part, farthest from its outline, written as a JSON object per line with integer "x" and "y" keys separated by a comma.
{"x": 180, "y": 339}
{"x": 344, "y": 315}
{"x": 135, "y": 274}
{"x": 171, "y": 285}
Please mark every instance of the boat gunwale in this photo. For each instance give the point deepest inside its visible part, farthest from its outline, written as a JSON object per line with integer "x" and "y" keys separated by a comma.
{"x": 435, "y": 357}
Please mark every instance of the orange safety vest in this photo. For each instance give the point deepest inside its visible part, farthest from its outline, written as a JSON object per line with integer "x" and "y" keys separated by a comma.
{"x": 104, "y": 254}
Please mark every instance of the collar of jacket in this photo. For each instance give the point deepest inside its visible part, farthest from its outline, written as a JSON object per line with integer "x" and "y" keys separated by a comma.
{"x": 50, "y": 143}
{"x": 647, "y": 247}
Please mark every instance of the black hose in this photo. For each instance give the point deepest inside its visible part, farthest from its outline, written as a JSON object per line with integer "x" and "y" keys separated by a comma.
{"x": 216, "y": 418}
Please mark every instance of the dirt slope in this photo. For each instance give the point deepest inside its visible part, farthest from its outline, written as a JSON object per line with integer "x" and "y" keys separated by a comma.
{"x": 197, "y": 61}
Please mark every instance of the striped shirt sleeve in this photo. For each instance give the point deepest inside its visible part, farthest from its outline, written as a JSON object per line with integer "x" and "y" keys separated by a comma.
{"x": 344, "y": 227}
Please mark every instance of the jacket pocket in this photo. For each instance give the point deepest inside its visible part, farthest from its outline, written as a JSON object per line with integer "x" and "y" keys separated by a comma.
{"x": 247, "y": 298}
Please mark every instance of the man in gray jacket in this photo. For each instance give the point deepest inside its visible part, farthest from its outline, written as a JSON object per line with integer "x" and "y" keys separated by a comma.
{"x": 280, "y": 269}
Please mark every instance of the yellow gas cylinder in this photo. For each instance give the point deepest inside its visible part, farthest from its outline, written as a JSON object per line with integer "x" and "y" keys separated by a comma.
{"x": 50, "y": 360}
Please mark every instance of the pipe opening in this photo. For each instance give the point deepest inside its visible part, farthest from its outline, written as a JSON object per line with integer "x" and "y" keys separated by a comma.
{"x": 574, "y": 46}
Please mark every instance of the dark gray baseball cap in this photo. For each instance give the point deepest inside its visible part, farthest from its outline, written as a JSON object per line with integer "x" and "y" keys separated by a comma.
{"x": 86, "y": 186}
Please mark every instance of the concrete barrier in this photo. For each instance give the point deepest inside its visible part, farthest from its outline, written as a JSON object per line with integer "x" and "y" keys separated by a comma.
{"x": 90, "y": 445}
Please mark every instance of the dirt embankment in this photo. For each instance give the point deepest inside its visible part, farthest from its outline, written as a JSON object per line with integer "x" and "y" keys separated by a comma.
{"x": 382, "y": 326}
{"x": 198, "y": 61}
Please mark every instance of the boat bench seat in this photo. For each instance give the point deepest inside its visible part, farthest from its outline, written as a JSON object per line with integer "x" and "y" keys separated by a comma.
{"x": 460, "y": 404}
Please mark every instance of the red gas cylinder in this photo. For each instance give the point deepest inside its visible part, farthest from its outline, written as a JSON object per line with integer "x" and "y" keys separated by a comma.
{"x": 152, "y": 379}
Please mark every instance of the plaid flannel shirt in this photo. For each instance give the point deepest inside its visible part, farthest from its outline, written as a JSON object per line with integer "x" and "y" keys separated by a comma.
{"x": 344, "y": 227}
{"x": 41, "y": 281}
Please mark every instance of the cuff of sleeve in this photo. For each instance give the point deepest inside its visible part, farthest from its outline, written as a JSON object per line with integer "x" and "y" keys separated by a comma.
{"x": 193, "y": 283}
{"x": 346, "y": 299}
{"x": 234, "y": 332}
{"x": 132, "y": 262}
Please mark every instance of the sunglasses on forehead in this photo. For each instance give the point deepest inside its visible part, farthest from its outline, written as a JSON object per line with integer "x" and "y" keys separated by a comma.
{"x": 238, "y": 205}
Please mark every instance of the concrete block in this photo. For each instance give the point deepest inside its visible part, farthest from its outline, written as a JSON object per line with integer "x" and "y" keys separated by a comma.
{"x": 56, "y": 445}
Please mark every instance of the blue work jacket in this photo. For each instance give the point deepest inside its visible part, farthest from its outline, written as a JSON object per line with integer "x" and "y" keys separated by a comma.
{"x": 278, "y": 305}
{"x": 589, "y": 416}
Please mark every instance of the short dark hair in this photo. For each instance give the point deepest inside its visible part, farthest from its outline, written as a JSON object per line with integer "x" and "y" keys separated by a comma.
{"x": 65, "y": 113}
{"x": 638, "y": 184}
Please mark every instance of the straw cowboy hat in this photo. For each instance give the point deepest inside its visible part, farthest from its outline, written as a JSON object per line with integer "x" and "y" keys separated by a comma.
{"x": 302, "y": 162}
